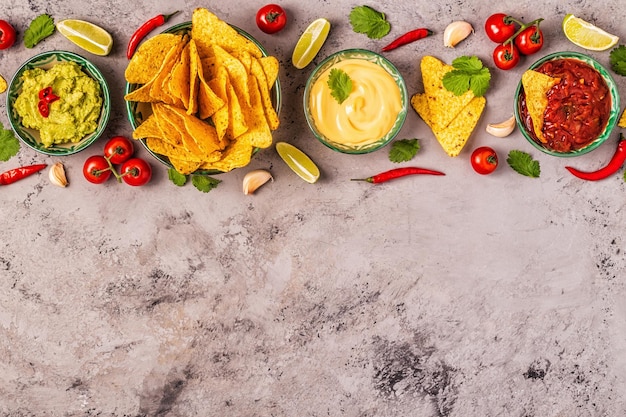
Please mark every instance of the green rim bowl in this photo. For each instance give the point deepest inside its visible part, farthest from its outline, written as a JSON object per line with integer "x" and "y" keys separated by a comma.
{"x": 138, "y": 112}
{"x": 613, "y": 116}
{"x": 30, "y": 137}
{"x": 367, "y": 56}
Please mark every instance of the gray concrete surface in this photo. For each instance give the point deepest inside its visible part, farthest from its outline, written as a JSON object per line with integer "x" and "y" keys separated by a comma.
{"x": 453, "y": 296}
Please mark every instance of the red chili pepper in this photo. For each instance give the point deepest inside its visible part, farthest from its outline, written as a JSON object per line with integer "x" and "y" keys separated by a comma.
{"x": 408, "y": 37}
{"x": 44, "y": 110}
{"x": 9, "y": 177}
{"x": 614, "y": 164}
{"x": 144, "y": 29}
{"x": 397, "y": 173}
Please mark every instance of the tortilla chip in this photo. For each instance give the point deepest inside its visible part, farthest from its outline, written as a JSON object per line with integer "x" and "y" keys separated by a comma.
{"x": 180, "y": 78}
{"x": 236, "y": 155}
{"x": 237, "y": 73}
{"x": 208, "y": 101}
{"x": 3, "y": 84}
{"x": 258, "y": 133}
{"x": 158, "y": 90}
{"x": 148, "y": 58}
{"x": 453, "y": 137}
{"x": 536, "y": 86}
{"x": 184, "y": 167}
{"x": 142, "y": 94}
{"x": 444, "y": 105}
{"x": 207, "y": 29}
{"x": 270, "y": 67}
{"x": 622, "y": 120}
{"x": 203, "y": 134}
{"x": 149, "y": 128}
{"x": 161, "y": 147}
{"x": 266, "y": 100}
{"x": 237, "y": 125}
{"x": 219, "y": 85}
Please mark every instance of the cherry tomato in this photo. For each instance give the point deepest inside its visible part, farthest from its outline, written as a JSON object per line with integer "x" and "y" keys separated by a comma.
{"x": 96, "y": 169}
{"x": 118, "y": 149}
{"x": 7, "y": 35}
{"x": 530, "y": 40}
{"x": 499, "y": 28}
{"x": 136, "y": 172}
{"x": 506, "y": 56}
{"x": 271, "y": 18}
{"x": 484, "y": 160}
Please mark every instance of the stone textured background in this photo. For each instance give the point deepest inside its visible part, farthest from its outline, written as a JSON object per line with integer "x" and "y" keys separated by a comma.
{"x": 453, "y": 296}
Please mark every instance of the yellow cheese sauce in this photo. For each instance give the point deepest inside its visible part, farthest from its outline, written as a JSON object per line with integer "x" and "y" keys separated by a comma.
{"x": 367, "y": 114}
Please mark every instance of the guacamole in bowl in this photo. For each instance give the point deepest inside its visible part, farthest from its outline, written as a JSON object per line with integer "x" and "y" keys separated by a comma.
{"x": 58, "y": 103}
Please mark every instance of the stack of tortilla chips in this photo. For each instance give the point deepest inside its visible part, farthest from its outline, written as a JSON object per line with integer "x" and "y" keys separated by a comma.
{"x": 452, "y": 118}
{"x": 207, "y": 95}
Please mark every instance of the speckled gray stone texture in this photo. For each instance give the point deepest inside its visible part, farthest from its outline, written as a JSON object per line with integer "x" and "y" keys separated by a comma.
{"x": 455, "y": 296}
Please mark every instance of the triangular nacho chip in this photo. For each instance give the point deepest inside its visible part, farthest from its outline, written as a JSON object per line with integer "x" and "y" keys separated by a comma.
{"x": 536, "y": 86}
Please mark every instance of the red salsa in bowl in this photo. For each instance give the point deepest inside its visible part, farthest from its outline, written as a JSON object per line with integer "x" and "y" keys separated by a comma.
{"x": 581, "y": 108}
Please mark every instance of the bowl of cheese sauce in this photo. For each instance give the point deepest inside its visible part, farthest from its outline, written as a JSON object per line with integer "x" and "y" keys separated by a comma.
{"x": 371, "y": 114}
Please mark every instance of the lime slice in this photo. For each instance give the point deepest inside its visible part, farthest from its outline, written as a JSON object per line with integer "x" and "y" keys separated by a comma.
{"x": 299, "y": 162}
{"x": 586, "y": 35}
{"x": 88, "y": 36}
{"x": 310, "y": 43}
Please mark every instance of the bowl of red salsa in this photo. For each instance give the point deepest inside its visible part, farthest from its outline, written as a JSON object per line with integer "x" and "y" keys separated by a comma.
{"x": 582, "y": 108}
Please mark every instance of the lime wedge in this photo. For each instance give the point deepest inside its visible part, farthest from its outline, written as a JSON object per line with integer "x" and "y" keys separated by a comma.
{"x": 586, "y": 35}
{"x": 310, "y": 43}
{"x": 88, "y": 36}
{"x": 298, "y": 161}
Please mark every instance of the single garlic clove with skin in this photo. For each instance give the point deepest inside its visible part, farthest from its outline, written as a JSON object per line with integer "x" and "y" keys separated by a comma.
{"x": 57, "y": 175}
{"x": 502, "y": 129}
{"x": 455, "y": 32}
{"x": 254, "y": 179}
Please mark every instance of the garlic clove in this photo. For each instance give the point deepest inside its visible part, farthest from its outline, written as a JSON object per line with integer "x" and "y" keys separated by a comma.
{"x": 455, "y": 32}
{"x": 502, "y": 129}
{"x": 57, "y": 175}
{"x": 254, "y": 179}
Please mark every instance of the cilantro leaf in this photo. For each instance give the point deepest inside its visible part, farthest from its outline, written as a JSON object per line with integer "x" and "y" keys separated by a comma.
{"x": 204, "y": 183}
{"x": 340, "y": 84}
{"x": 9, "y": 145}
{"x": 176, "y": 177}
{"x": 366, "y": 20}
{"x": 523, "y": 164}
{"x": 404, "y": 150}
{"x": 618, "y": 60}
{"x": 468, "y": 73}
{"x": 40, "y": 28}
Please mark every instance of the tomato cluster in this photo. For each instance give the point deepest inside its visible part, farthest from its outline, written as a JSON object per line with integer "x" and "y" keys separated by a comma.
{"x": 514, "y": 38}
{"x": 118, "y": 150}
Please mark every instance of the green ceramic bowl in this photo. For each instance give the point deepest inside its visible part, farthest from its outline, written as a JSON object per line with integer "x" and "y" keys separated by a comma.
{"x": 367, "y": 56}
{"x": 138, "y": 112}
{"x": 30, "y": 137}
{"x": 613, "y": 116}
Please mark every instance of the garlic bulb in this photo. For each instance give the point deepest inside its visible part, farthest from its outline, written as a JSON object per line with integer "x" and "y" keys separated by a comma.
{"x": 254, "y": 179}
{"x": 501, "y": 129}
{"x": 57, "y": 175}
{"x": 455, "y": 32}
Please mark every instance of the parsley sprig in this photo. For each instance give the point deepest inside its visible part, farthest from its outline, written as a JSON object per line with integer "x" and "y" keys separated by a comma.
{"x": 40, "y": 28}
{"x": 9, "y": 145}
{"x": 371, "y": 22}
{"x": 340, "y": 84}
{"x": 523, "y": 164}
{"x": 201, "y": 182}
{"x": 404, "y": 150}
{"x": 618, "y": 60}
{"x": 468, "y": 73}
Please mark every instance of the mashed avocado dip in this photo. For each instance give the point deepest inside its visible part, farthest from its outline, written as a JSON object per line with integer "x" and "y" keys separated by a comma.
{"x": 73, "y": 116}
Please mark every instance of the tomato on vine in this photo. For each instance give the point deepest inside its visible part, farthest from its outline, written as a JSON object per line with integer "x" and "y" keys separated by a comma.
{"x": 506, "y": 56}
{"x": 529, "y": 40}
{"x": 136, "y": 172}
{"x": 96, "y": 169}
{"x": 271, "y": 18}
{"x": 118, "y": 149}
{"x": 484, "y": 160}
{"x": 499, "y": 27}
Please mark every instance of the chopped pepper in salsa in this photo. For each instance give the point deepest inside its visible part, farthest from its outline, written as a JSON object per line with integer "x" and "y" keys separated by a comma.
{"x": 578, "y": 105}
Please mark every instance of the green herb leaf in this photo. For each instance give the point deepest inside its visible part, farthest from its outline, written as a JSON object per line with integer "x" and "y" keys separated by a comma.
{"x": 204, "y": 183}
{"x": 40, "y": 28}
{"x": 340, "y": 84}
{"x": 176, "y": 177}
{"x": 9, "y": 145}
{"x": 468, "y": 74}
{"x": 523, "y": 164}
{"x": 618, "y": 60}
{"x": 366, "y": 20}
{"x": 404, "y": 150}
